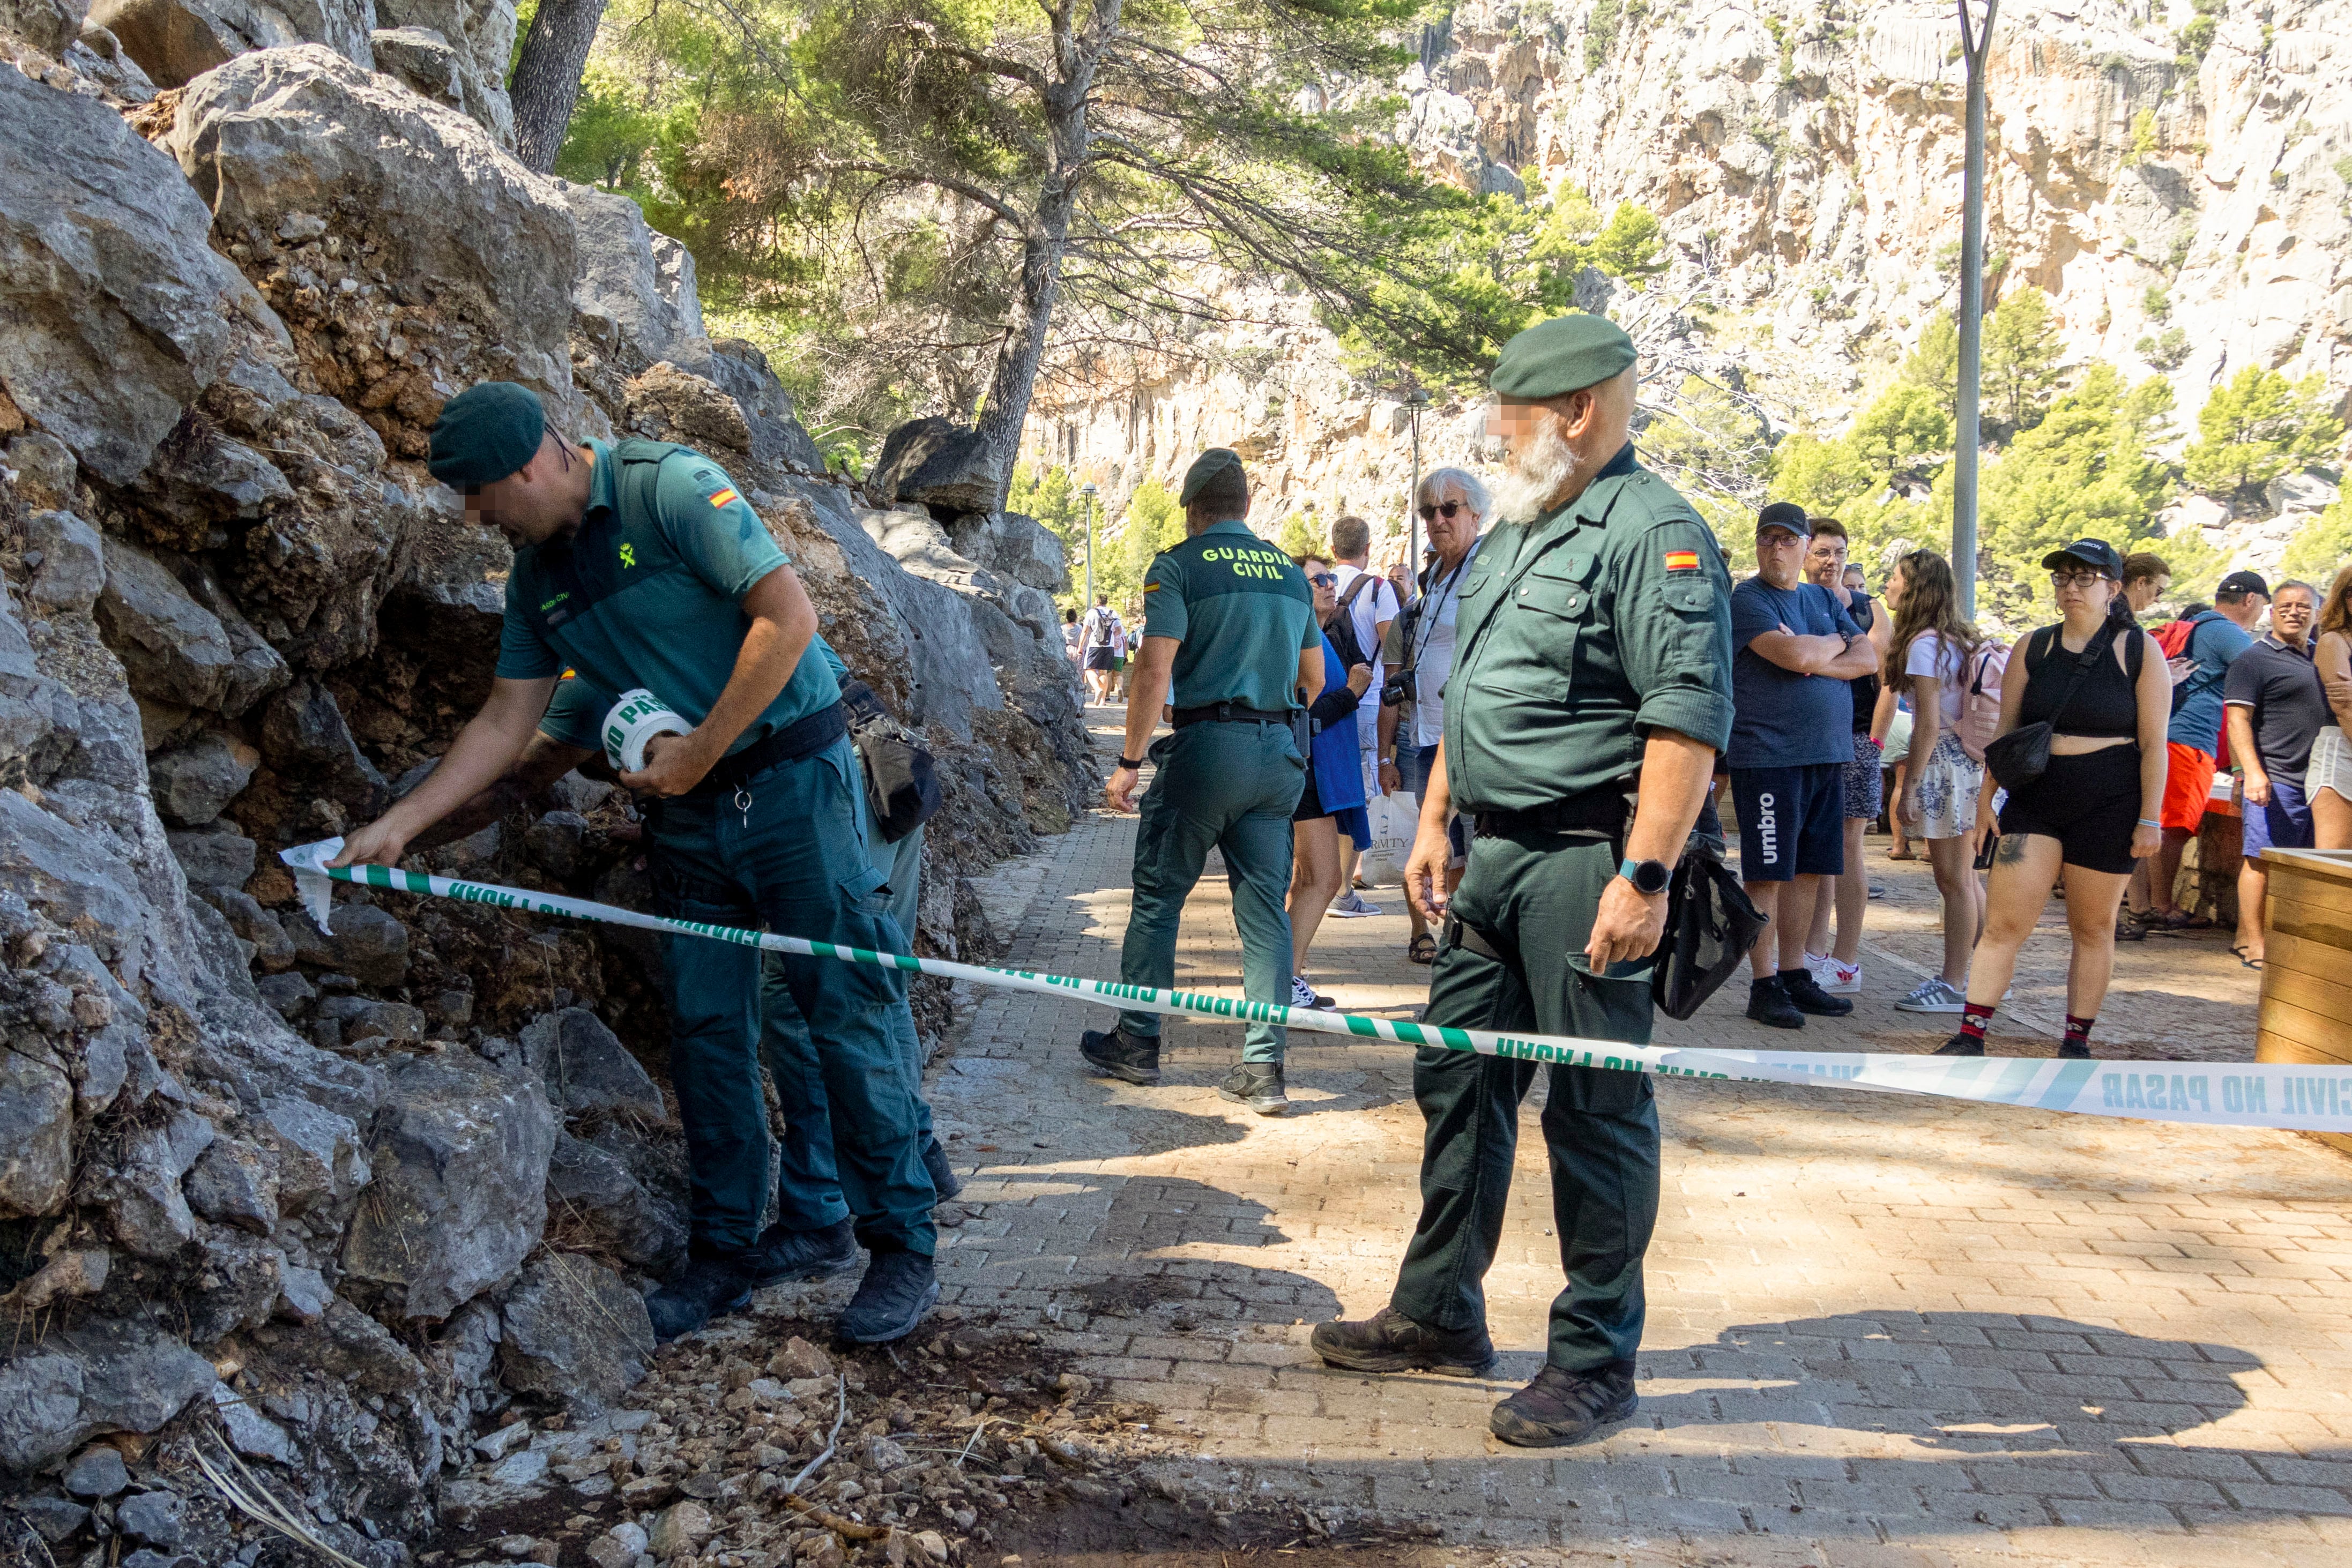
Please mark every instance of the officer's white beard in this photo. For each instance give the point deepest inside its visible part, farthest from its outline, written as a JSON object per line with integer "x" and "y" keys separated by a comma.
{"x": 1536, "y": 476}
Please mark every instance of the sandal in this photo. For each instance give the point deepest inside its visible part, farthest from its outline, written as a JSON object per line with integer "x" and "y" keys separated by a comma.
{"x": 1901, "y": 855}
{"x": 1421, "y": 949}
{"x": 2249, "y": 963}
{"x": 2180, "y": 920}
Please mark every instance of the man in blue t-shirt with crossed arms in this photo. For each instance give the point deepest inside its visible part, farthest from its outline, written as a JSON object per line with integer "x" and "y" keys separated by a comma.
{"x": 638, "y": 564}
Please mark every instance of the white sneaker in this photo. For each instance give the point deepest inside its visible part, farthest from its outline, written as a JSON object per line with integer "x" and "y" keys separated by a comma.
{"x": 1840, "y": 979}
{"x": 1351, "y": 904}
{"x": 1933, "y": 995}
{"x": 1302, "y": 995}
{"x": 1821, "y": 965}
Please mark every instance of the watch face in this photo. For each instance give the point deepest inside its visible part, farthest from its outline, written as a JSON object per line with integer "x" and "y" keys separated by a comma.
{"x": 1650, "y": 876}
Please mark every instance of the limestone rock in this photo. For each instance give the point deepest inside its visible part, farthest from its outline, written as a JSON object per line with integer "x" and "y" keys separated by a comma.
{"x": 214, "y": 856}
{"x": 939, "y": 465}
{"x": 176, "y": 41}
{"x": 99, "y": 56}
{"x": 192, "y": 783}
{"x": 370, "y": 944}
{"x": 250, "y": 1432}
{"x": 1016, "y": 546}
{"x": 482, "y": 34}
{"x": 154, "y": 1518}
{"x": 53, "y": 1519}
{"x": 620, "y": 293}
{"x": 670, "y": 403}
{"x": 459, "y": 1196}
{"x": 118, "y": 311}
{"x": 48, "y": 25}
{"x": 175, "y": 649}
{"x": 100, "y": 1376}
{"x": 554, "y": 842}
{"x": 358, "y": 1019}
{"x": 423, "y": 59}
{"x": 320, "y": 1158}
{"x": 303, "y": 731}
{"x": 99, "y": 1472}
{"x": 235, "y": 1184}
{"x": 36, "y": 1101}
{"x": 680, "y": 1530}
{"x": 593, "y": 1191}
{"x": 73, "y": 561}
{"x": 586, "y": 1069}
{"x": 574, "y": 1329}
{"x": 141, "y": 1189}
{"x": 778, "y": 436}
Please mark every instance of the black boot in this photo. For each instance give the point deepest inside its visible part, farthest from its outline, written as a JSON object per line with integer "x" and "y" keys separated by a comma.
{"x": 1119, "y": 1055}
{"x": 944, "y": 1180}
{"x": 1559, "y": 1408}
{"x": 1389, "y": 1341}
{"x": 709, "y": 1285}
{"x": 898, "y": 1289}
{"x": 1962, "y": 1045}
{"x": 784, "y": 1254}
{"x": 1257, "y": 1086}
{"x": 1802, "y": 989}
{"x": 1769, "y": 1003}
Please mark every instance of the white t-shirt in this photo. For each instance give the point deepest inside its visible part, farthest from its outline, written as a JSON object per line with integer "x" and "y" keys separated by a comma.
{"x": 1376, "y": 604}
{"x": 1432, "y": 643}
{"x": 1931, "y": 656}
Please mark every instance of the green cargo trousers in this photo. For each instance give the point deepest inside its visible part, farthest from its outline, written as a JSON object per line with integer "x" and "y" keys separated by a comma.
{"x": 808, "y": 1179}
{"x": 1533, "y": 898}
{"x": 1231, "y": 787}
{"x": 793, "y": 860}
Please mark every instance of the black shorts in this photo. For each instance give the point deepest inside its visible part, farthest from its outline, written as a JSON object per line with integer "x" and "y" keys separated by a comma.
{"x": 1310, "y": 804}
{"x": 2089, "y": 803}
{"x": 1792, "y": 820}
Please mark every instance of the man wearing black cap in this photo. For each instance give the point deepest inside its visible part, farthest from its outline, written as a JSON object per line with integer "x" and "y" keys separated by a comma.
{"x": 639, "y": 565}
{"x": 2193, "y": 742}
{"x": 1229, "y": 630}
{"x": 1589, "y": 694}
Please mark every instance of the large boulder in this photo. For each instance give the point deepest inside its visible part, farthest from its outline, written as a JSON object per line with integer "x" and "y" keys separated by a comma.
{"x": 622, "y": 297}
{"x": 586, "y": 1069}
{"x": 118, "y": 312}
{"x": 459, "y": 1196}
{"x": 599, "y": 1203}
{"x": 574, "y": 1330}
{"x": 176, "y": 41}
{"x": 95, "y": 1378}
{"x": 192, "y": 782}
{"x": 938, "y": 464}
{"x": 176, "y": 649}
{"x": 778, "y": 437}
{"x": 481, "y": 34}
{"x": 48, "y": 25}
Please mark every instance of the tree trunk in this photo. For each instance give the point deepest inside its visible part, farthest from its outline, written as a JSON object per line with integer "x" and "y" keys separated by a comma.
{"x": 547, "y": 78}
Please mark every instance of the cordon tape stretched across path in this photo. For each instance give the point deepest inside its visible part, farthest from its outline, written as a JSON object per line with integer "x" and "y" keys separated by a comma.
{"x": 2225, "y": 1094}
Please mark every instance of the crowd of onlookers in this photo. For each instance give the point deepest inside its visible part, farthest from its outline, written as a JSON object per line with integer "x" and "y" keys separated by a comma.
{"x": 1855, "y": 710}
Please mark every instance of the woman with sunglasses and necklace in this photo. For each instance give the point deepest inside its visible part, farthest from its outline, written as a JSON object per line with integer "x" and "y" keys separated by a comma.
{"x": 1452, "y": 504}
{"x": 2094, "y": 811}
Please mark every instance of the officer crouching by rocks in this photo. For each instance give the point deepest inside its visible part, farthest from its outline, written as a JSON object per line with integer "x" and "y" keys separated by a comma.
{"x": 1229, "y": 625}
{"x": 1590, "y": 695}
{"x": 638, "y": 565}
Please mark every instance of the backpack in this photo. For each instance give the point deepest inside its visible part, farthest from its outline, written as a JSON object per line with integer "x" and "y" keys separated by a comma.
{"x": 2173, "y": 635}
{"x": 1980, "y": 718}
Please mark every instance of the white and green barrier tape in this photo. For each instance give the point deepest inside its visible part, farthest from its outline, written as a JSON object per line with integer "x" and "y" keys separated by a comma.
{"x": 2224, "y": 1095}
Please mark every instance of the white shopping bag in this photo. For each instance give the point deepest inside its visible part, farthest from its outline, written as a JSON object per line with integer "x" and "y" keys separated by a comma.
{"x": 1394, "y": 817}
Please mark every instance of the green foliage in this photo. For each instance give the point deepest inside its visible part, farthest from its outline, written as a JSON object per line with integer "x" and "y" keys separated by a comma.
{"x": 2021, "y": 360}
{"x": 1601, "y": 33}
{"x": 1153, "y": 521}
{"x": 2084, "y": 471}
{"x": 2156, "y": 302}
{"x": 1053, "y": 499}
{"x": 2343, "y": 167}
{"x": 2256, "y": 427}
{"x": 2167, "y": 351}
{"x": 1302, "y": 533}
{"x": 2142, "y": 138}
{"x": 2195, "y": 39}
{"x": 2322, "y": 545}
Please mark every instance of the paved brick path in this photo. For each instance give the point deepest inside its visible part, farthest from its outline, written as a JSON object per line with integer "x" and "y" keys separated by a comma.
{"x": 1882, "y": 1329}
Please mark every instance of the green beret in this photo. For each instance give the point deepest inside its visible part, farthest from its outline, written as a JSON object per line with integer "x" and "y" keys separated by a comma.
{"x": 1565, "y": 354}
{"x": 1216, "y": 460}
{"x": 485, "y": 433}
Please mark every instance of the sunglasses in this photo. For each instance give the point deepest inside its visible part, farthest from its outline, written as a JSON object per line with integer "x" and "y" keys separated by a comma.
{"x": 1446, "y": 510}
{"x": 1325, "y": 579}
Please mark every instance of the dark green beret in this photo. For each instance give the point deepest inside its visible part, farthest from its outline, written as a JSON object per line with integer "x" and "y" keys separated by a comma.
{"x": 1565, "y": 354}
{"x": 485, "y": 433}
{"x": 1216, "y": 460}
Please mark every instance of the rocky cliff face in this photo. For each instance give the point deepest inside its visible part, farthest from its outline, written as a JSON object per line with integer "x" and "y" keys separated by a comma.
{"x": 1805, "y": 161}
{"x": 335, "y": 1199}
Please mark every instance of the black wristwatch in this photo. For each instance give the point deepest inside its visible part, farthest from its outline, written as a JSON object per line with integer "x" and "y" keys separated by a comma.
{"x": 1129, "y": 762}
{"x": 1649, "y": 877}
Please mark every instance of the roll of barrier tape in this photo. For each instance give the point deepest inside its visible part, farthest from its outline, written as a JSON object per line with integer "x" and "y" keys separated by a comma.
{"x": 635, "y": 719}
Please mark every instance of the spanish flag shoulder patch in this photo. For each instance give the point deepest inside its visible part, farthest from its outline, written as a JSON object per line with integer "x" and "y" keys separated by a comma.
{"x": 1682, "y": 560}
{"x": 721, "y": 497}
{"x": 1151, "y": 587}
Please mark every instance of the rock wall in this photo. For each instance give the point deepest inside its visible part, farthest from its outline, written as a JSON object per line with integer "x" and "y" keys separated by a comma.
{"x": 337, "y": 1198}
{"x": 1805, "y": 163}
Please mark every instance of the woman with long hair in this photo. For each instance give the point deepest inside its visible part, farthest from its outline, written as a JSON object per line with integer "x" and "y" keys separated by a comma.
{"x": 1927, "y": 660}
{"x": 2101, "y": 685}
{"x": 2327, "y": 783}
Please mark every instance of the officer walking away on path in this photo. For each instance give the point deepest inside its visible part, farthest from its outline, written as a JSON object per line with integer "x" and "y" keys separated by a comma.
{"x": 638, "y": 564}
{"x": 1591, "y": 690}
{"x": 1229, "y": 625}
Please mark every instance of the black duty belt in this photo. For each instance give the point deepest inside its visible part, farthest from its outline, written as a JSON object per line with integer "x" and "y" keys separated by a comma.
{"x": 1594, "y": 812}
{"x": 802, "y": 737}
{"x": 1229, "y": 713}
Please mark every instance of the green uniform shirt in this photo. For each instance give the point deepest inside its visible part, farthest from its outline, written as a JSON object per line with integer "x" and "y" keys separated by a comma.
{"x": 1242, "y": 612}
{"x": 575, "y": 715}
{"x": 1578, "y": 634}
{"x": 648, "y": 591}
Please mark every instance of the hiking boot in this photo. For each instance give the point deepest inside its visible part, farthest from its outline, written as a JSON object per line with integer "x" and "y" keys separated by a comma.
{"x": 1769, "y": 1003}
{"x": 786, "y": 1254}
{"x": 1119, "y": 1055}
{"x": 1559, "y": 1408}
{"x": 1806, "y": 993}
{"x": 898, "y": 1289}
{"x": 1961, "y": 1045}
{"x": 2074, "y": 1050}
{"x": 944, "y": 1181}
{"x": 1389, "y": 1341}
{"x": 1257, "y": 1086}
{"x": 704, "y": 1289}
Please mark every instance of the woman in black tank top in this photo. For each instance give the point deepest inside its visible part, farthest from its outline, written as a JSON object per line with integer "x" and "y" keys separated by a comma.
{"x": 2091, "y": 814}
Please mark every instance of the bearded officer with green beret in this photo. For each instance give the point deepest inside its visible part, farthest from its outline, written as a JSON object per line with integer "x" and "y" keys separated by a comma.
{"x": 639, "y": 565}
{"x": 1590, "y": 695}
{"x": 1229, "y": 638}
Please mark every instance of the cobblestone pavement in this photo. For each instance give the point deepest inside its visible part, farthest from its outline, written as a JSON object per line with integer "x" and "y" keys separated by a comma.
{"x": 1882, "y": 1329}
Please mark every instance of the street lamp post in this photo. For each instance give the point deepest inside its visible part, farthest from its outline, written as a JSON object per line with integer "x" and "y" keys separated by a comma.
{"x": 1414, "y": 402}
{"x": 1088, "y": 492}
{"x": 1973, "y": 46}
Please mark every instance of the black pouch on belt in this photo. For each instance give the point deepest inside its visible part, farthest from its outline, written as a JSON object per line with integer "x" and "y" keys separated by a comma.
{"x": 902, "y": 786}
{"x": 1711, "y": 924}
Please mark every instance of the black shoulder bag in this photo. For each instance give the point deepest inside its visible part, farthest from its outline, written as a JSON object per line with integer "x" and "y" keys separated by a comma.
{"x": 1711, "y": 925}
{"x": 2021, "y": 756}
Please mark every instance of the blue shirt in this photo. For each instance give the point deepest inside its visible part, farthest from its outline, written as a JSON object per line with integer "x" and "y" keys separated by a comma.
{"x": 1778, "y": 717}
{"x": 2214, "y": 646}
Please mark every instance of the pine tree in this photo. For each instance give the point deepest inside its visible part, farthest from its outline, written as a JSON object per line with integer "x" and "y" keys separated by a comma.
{"x": 2021, "y": 350}
{"x": 2255, "y": 427}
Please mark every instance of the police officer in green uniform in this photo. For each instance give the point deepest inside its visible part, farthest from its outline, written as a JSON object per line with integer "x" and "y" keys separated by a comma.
{"x": 1590, "y": 691}
{"x": 1230, "y": 622}
{"x": 638, "y": 564}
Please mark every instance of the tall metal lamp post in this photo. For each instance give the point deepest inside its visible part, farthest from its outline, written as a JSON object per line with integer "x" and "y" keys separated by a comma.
{"x": 1974, "y": 43}
{"x": 1087, "y": 491}
{"x": 1415, "y": 402}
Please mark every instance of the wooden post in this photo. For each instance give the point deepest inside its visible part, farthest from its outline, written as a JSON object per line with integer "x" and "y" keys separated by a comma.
{"x": 2307, "y": 1014}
